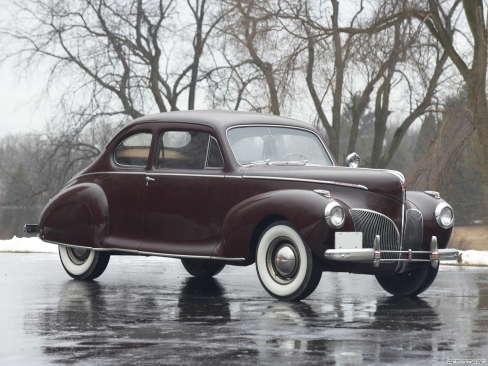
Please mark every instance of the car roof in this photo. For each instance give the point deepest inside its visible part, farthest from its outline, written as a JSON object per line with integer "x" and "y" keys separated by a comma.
{"x": 220, "y": 120}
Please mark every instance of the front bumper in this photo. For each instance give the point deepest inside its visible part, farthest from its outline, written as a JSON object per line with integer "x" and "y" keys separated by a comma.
{"x": 373, "y": 255}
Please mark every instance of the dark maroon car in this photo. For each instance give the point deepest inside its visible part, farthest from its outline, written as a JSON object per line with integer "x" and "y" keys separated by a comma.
{"x": 218, "y": 188}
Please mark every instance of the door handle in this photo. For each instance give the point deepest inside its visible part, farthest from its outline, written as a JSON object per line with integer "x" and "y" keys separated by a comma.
{"x": 149, "y": 179}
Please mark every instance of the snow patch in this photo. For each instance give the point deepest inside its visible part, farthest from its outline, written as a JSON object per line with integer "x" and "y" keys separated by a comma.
{"x": 27, "y": 245}
{"x": 470, "y": 258}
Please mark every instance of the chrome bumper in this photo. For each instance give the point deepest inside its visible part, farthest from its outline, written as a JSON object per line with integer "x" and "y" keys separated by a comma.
{"x": 374, "y": 254}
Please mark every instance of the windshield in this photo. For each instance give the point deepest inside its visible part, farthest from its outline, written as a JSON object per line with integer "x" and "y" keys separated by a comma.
{"x": 252, "y": 144}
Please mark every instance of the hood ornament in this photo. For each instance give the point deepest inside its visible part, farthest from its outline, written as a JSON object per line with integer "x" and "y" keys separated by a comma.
{"x": 352, "y": 160}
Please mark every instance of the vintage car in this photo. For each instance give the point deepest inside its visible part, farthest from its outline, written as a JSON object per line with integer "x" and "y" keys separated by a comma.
{"x": 216, "y": 188}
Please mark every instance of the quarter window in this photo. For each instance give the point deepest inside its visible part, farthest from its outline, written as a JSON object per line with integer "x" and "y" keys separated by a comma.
{"x": 134, "y": 150}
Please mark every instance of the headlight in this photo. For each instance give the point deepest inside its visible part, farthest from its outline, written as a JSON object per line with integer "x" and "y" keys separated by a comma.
{"x": 444, "y": 214}
{"x": 334, "y": 215}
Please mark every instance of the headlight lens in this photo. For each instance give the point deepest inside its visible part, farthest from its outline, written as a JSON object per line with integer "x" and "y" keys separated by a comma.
{"x": 334, "y": 215}
{"x": 444, "y": 214}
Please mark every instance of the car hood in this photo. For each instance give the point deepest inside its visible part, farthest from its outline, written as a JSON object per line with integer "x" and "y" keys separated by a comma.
{"x": 386, "y": 182}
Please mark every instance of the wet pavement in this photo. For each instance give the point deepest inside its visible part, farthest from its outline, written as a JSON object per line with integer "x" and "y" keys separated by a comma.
{"x": 149, "y": 311}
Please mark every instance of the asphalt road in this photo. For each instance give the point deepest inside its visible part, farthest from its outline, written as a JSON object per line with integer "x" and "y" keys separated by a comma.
{"x": 149, "y": 311}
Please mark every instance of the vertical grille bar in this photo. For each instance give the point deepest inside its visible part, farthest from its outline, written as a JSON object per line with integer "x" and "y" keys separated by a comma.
{"x": 414, "y": 230}
{"x": 372, "y": 223}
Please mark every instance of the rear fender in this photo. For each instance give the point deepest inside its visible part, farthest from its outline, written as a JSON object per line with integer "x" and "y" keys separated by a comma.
{"x": 78, "y": 215}
{"x": 245, "y": 222}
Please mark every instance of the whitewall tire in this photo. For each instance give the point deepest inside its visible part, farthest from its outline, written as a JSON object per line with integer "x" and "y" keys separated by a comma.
{"x": 83, "y": 264}
{"x": 286, "y": 267}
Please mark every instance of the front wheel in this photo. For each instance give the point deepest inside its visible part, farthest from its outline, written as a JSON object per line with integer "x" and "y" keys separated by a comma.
{"x": 201, "y": 268}
{"x": 83, "y": 264}
{"x": 286, "y": 267}
{"x": 410, "y": 283}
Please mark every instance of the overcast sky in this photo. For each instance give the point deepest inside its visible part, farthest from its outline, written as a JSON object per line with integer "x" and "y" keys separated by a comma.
{"x": 17, "y": 106}
{"x": 20, "y": 112}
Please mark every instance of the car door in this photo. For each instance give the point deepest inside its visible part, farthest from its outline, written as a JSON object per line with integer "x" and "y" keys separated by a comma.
{"x": 183, "y": 194}
{"x": 124, "y": 189}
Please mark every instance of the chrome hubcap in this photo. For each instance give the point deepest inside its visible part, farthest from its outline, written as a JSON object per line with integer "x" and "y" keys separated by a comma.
{"x": 283, "y": 260}
{"x": 78, "y": 255}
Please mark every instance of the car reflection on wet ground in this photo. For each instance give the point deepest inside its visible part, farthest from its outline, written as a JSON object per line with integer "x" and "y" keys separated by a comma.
{"x": 149, "y": 311}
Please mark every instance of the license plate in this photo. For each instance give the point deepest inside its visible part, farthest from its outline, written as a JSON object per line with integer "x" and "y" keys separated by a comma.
{"x": 348, "y": 240}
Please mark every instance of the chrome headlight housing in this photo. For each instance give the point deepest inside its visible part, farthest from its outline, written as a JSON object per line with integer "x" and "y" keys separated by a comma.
{"x": 444, "y": 214}
{"x": 335, "y": 215}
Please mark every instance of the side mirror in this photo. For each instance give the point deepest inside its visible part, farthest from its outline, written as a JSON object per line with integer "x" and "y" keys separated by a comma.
{"x": 352, "y": 160}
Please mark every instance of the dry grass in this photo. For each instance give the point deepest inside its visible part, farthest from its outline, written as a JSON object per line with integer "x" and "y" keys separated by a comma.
{"x": 470, "y": 238}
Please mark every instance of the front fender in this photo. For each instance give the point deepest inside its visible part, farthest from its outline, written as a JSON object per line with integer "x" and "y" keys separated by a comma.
{"x": 426, "y": 204}
{"x": 303, "y": 209}
{"x": 78, "y": 215}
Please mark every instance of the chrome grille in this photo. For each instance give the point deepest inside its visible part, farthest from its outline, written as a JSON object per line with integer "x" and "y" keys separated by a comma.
{"x": 414, "y": 230}
{"x": 372, "y": 223}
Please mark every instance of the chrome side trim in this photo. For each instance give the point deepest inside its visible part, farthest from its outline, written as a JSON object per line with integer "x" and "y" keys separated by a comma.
{"x": 228, "y": 259}
{"x": 306, "y": 180}
{"x": 186, "y": 175}
{"x": 191, "y": 256}
{"x": 66, "y": 245}
{"x": 137, "y": 252}
{"x": 285, "y": 126}
{"x": 114, "y": 250}
{"x": 151, "y": 173}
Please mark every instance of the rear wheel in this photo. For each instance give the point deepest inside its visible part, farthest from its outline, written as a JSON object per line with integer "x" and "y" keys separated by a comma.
{"x": 201, "y": 268}
{"x": 83, "y": 264}
{"x": 410, "y": 283}
{"x": 286, "y": 267}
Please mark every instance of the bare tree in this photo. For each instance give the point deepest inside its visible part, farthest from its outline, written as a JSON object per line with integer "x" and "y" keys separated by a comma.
{"x": 255, "y": 42}
{"x": 132, "y": 56}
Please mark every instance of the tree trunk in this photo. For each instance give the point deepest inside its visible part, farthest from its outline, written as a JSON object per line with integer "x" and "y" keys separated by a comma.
{"x": 197, "y": 54}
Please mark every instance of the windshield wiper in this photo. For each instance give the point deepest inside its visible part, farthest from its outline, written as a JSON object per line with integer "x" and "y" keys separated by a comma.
{"x": 290, "y": 162}
{"x": 260, "y": 162}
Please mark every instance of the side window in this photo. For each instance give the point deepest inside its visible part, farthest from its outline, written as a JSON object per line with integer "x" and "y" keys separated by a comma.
{"x": 214, "y": 160}
{"x": 134, "y": 150}
{"x": 182, "y": 150}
